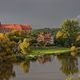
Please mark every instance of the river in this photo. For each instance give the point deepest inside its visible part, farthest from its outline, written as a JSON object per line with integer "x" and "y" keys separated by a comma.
{"x": 47, "y": 67}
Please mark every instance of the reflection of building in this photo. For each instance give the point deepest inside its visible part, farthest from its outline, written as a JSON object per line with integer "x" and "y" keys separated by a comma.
{"x": 10, "y": 27}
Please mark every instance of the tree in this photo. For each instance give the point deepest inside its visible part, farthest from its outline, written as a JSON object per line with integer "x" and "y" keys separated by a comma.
{"x": 23, "y": 46}
{"x": 68, "y": 31}
{"x": 17, "y": 35}
{"x": 7, "y": 47}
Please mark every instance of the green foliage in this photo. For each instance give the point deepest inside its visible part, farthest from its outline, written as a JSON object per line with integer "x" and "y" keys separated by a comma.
{"x": 68, "y": 31}
{"x": 17, "y": 35}
{"x": 36, "y": 31}
{"x": 7, "y": 48}
{"x": 10, "y": 41}
{"x": 70, "y": 28}
{"x": 48, "y": 30}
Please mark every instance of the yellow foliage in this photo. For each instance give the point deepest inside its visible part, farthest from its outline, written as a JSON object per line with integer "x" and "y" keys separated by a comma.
{"x": 73, "y": 50}
{"x": 78, "y": 38}
{"x": 18, "y": 33}
{"x": 59, "y": 34}
{"x": 3, "y": 36}
{"x": 65, "y": 36}
{"x": 25, "y": 66}
{"x": 24, "y": 45}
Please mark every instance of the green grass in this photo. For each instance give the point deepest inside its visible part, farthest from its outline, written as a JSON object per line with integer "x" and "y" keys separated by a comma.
{"x": 42, "y": 51}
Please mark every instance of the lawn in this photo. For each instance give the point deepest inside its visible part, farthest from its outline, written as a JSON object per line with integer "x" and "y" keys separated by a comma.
{"x": 42, "y": 51}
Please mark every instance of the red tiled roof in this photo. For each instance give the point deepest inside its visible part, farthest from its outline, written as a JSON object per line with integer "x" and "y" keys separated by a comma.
{"x": 15, "y": 27}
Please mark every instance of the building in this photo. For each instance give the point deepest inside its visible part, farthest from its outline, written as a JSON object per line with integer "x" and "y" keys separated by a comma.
{"x": 10, "y": 27}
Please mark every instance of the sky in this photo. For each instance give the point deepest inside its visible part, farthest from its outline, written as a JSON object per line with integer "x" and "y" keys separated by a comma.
{"x": 38, "y": 13}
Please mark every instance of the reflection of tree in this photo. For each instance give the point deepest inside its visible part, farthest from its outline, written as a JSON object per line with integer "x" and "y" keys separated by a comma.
{"x": 25, "y": 66}
{"x": 6, "y": 71}
{"x": 71, "y": 78}
{"x": 43, "y": 59}
{"x": 69, "y": 64}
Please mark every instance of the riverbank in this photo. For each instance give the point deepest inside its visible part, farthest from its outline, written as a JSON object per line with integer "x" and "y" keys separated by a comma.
{"x": 42, "y": 51}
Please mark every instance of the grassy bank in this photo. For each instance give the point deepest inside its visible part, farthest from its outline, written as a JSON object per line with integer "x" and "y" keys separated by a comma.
{"x": 42, "y": 51}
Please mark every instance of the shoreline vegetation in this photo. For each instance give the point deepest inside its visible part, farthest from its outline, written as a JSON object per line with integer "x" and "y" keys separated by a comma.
{"x": 42, "y": 41}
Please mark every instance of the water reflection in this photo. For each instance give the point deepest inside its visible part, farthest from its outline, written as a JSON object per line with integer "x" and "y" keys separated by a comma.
{"x": 25, "y": 65}
{"x": 68, "y": 65}
{"x": 6, "y": 67}
{"x": 45, "y": 58}
{"x": 6, "y": 71}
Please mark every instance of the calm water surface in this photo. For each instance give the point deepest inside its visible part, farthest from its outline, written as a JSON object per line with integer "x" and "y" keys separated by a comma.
{"x": 46, "y": 67}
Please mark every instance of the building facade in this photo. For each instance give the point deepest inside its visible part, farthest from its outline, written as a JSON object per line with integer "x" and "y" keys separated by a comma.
{"x": 10, "y": 27}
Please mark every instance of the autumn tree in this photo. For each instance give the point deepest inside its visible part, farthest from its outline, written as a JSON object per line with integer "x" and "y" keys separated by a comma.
{"x": 17, "y": 35}
{"x": 68, "y": 31}
{"x": 23, "y": 46}
{"x": 7, "y": 47}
